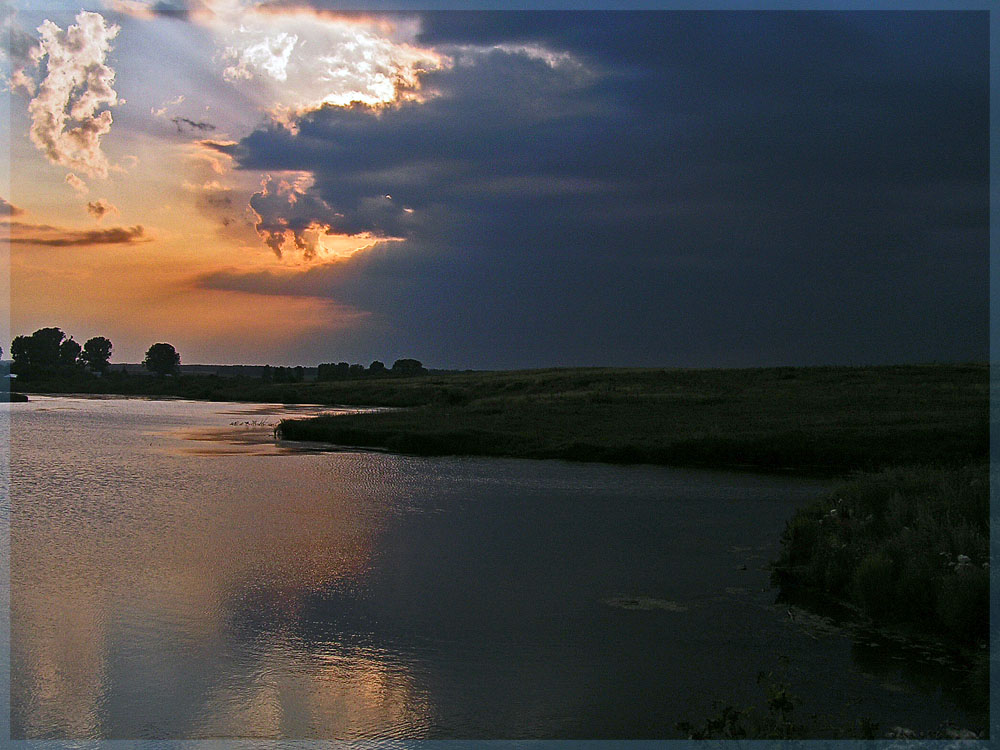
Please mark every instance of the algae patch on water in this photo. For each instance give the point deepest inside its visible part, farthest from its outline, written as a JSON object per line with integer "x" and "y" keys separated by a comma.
{"x": 644, "y": 603}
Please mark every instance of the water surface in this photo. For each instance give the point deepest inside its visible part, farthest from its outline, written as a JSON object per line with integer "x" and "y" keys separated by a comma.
{"x": 175, "y": 573}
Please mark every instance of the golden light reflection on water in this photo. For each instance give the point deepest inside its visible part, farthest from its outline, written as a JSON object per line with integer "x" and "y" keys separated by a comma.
{"x": 349, "y": 696}
{"x": 103, "y": 581}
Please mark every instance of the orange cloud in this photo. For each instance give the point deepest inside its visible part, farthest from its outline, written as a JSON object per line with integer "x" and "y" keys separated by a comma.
{"x": 100, "y": 208}
{"x": 44, "y": 235}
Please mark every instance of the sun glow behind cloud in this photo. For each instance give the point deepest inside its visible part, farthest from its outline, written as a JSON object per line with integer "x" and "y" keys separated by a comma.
{"x": 295, "y": 59}
{"x": 288, "y": 61}
{"x": 287, "y": 216}
{"x": 197, "y": 211}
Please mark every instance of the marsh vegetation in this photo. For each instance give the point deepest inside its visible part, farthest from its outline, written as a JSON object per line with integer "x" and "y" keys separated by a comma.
{"x": 801, "y": 419}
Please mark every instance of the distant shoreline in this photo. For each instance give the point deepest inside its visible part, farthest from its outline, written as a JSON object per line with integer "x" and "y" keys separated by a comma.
{"x": 815, "y": 420}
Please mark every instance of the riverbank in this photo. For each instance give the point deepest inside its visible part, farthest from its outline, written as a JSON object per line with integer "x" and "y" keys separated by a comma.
{"x": 905, "y": 550}
{"x": 905, "y": 546}
{"x": 813, "y": 420}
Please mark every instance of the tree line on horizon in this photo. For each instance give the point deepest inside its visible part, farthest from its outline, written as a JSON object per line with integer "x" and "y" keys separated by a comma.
{"x": 345, "y": 371}
{"x": 50, "y": 352}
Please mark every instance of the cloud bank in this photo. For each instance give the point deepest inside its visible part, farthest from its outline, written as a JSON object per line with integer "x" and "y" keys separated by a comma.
{"x": 655, "y": 188}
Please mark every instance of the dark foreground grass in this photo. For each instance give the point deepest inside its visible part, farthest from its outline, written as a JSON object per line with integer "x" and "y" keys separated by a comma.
{"x": 802, "y": 419}
{"x": 905, "y": 546}
{"x": 778, "y": 715}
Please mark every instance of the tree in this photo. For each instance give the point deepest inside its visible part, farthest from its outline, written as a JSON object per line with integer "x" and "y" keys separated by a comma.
{"x": 20, "y": 351}
{"x": 376, "y": 368}
{"x": 406, "y": 367}
{"x": 45, "y": 343}
{"x": 162, "y": 359}
{"x": 69, "y": 352}
{"x": 38, "y": 352}
{"x": 96, "y": 353}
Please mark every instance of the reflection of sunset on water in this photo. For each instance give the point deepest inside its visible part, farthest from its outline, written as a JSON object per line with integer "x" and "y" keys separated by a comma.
{"x": 349, "y": 696}
{"x": 95, "y": 573}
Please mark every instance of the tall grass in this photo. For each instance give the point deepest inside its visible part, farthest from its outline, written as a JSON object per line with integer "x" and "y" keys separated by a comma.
{"x": 906, "y": 546}
{"x": 808, "y": 419}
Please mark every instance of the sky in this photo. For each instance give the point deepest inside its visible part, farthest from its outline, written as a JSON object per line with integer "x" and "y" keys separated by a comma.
{"x": 283, "y": 183}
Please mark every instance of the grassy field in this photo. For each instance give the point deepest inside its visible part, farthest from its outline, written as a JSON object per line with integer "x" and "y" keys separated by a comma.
{"x": 803, "y": 419}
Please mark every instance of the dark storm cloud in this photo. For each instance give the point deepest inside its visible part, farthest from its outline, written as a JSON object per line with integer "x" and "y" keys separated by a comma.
{"x": 676, "y": 188}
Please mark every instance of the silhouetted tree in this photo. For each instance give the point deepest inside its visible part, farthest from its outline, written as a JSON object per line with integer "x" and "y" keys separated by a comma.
{"x": 407, "y": 367}
{"x": 162, "y": 359}
{"x": 20, "y": 351}
{"x": 96, "y": 353}
{"x": 45, "y": 343}
{"x": 69, "y": 352}
{"x": 376, "y": 368}
{"x": 357, "y": 371}
{"x": 38, "y": 352}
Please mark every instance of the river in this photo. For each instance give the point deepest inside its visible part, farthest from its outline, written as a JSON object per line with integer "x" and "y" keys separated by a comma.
{"x": 175, "y": 573}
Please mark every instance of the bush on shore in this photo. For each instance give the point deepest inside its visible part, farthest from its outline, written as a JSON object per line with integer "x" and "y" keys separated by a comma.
{"x": 907, "y": 546}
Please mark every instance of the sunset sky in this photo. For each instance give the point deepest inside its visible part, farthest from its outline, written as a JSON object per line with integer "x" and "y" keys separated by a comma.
{"x": 282, "y": 183}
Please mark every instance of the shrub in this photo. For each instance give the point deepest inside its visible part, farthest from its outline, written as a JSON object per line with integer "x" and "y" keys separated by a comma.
{"x": 873, "y": 582}
{"x": 906, "y": 545}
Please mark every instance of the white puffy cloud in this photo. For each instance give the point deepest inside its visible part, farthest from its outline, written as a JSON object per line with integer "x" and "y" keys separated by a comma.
{"x": 162, "y": 111}
{"x": 68, "y": 114}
